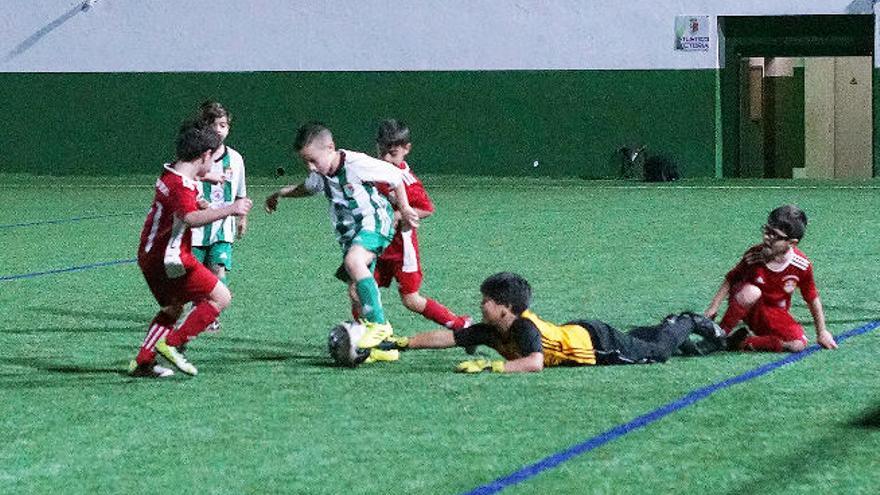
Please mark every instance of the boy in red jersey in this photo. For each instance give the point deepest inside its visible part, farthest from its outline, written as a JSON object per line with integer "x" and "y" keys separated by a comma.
{"x": 165, "y": 256}
{"x": 759, "y": 290}
{"x": 401, "y": 261}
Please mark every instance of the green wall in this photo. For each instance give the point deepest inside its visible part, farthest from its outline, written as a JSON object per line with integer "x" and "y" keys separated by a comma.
{"x": 479, "y": 123}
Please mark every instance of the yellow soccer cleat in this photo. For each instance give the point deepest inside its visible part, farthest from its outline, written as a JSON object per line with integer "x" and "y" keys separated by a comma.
{"x": 374, "y": 334}
{"x": 175, "y": 357}
{"x": 378, "y": 355}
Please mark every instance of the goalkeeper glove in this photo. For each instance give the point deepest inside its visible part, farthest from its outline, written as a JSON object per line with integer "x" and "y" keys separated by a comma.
{"x": 394, "y": 343}
{"x": 478, "y": 365}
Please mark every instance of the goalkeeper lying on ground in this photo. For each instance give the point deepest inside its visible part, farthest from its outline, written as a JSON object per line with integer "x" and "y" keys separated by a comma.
{"x": 529, "y": 343}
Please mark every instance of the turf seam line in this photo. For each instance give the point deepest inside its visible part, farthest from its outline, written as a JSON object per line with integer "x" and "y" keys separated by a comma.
{"x": 554, "y": 460}
{"x": 64, "y": 220}
{"x": 20, "y": 276}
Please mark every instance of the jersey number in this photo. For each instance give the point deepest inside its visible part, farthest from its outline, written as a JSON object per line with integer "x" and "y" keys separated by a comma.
{"x": 157, "y": 215}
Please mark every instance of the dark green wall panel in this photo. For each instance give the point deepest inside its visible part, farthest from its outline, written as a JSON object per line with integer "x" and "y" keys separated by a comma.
{"x": 480, "y": 123}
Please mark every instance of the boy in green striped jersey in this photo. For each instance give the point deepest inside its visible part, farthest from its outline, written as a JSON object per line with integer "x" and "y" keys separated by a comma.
{"x": 212, "y": 244}
{"x": 362, "y": 217}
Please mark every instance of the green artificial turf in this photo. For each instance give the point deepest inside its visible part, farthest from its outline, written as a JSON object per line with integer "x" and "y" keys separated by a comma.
{"x": 269, "y": 414}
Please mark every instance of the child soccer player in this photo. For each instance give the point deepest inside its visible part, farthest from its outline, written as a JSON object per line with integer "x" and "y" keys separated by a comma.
{"x": 401, "y": 261}
{"x": 212, "y": 243}
{"x": 529, "y": 343}
{"x": 759, "y": 290}
{"x": 165, "y": 257}
{"x": 362, "y": 217}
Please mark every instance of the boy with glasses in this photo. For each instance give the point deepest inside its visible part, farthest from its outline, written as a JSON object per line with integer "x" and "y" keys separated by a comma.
{"x": 760, "y": 286}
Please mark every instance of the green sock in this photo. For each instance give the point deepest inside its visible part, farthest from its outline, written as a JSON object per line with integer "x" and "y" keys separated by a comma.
{"x": 371, "y": 302}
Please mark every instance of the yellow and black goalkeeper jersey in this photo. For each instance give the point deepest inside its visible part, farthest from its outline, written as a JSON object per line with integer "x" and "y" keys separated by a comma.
{"x": 568, "y": 344}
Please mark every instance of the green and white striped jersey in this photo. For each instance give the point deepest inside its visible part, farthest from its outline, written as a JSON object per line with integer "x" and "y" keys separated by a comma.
{"x": 356, "y": 204}
{"x": 231, "y": 165}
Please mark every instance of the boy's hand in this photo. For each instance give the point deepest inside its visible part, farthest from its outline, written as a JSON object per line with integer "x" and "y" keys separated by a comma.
{"x": 711, "y": 312}
{"x": 213, "y": 178}
{"x": 241, "y": 227}
{"x": 479, "y": 365}
{"x": 271, "y": 203}
{"x": 756, "y": 257}
{"x": 203, "y": 204}
{"x": 409, "y": 217}
{"x": 242, "y": 206}
{"x": 826, "y": 340}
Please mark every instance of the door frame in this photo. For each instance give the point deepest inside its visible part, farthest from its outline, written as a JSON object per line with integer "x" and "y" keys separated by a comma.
{"x": 785, "y": 36}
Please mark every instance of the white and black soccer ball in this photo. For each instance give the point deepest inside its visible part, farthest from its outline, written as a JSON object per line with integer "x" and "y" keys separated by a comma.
{"x": 342, "y": 344}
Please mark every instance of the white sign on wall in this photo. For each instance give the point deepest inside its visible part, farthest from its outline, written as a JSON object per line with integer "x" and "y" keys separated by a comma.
{"x": 692, "y": 33}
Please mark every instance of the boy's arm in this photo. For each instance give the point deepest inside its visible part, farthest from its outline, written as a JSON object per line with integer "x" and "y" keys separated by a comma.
{"x": 408, "y": 215}
{"x": 291, "y": 191}
{"x": 199, "y": 218}
{"x": 242, "y": 224}
{"x": 442, "y": 339}
{"x": 422, "y": 213}
{"x": 438, "y": 339}
{"x": 528, "y": 364}
{"x": 823, "y": 336}
{"x": 722, "y": 293}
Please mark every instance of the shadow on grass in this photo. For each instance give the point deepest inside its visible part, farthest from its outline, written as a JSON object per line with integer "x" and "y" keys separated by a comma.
{"x": 143, "y": 319}
{"x": 776, "y": 473}
{"x": 241, "y": 355}
{"x": 58, "y": 375}
{"x": 73, "y": 330}
{"x": 868, "y": 420}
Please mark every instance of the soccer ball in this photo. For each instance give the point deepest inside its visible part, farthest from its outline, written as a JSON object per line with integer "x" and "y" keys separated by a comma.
{"x": 342, "y": 344}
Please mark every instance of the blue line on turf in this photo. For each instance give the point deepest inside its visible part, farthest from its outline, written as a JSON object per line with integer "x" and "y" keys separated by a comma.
{"x": 597, "y": 441}
{"x": 63, "y": 220}
{"x": 66, "y": 270}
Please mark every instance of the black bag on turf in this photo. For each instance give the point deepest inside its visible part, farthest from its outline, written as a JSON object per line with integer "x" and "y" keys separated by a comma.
{"x": 660, "y": 169}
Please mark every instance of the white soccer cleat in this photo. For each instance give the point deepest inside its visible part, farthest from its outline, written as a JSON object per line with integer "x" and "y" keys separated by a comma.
{"x": 175, "y": 357}
{"x": 149, "y": 370}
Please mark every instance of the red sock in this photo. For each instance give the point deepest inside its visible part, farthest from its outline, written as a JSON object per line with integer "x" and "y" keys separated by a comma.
{"x": 202, "y": 315}
{"x": 439, "y": 313}
{"x": 766, "y": 343}
{"x": 159, "y": 327}
{"x": 734, "y": 314}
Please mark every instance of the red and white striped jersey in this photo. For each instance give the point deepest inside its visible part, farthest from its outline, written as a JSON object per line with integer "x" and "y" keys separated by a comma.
{"x": 777, "y": 280}
{"x": 405, "y": 247}
{"x": 165, "y": 239}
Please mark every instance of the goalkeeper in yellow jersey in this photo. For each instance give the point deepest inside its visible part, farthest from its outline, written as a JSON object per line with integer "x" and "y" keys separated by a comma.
{"x": 529, "y": 343}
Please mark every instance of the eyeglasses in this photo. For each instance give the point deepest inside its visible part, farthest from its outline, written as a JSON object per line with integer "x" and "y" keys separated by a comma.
{"x": 772, "y": 234}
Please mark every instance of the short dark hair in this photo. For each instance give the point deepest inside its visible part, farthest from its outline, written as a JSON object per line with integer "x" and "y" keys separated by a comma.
{"x": 211, "y": 110}
{"x": 508, "y": 289}
{"x": 307, "y": 133}
{"x": 194, "y": 138}
{"x": 392, "y": 132}
{"x": 790, "y": 219}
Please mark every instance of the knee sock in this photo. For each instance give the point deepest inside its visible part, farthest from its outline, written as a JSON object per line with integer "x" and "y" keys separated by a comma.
{"x": 371, "y": 301}
{"x": 734, "y": 314}
{"x": 203, "y": 314}
{"x": 767, "y": 343}
{"x": 159, "y": 327}
{"x": 439, "y": 313}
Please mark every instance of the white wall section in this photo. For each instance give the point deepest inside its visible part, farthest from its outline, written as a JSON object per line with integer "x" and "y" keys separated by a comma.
{"x": 365, "y": 35}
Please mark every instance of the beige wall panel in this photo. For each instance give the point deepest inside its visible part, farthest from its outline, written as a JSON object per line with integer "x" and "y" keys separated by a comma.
{"x": 819, "y": 117}
{"x": 852, "y": 117}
